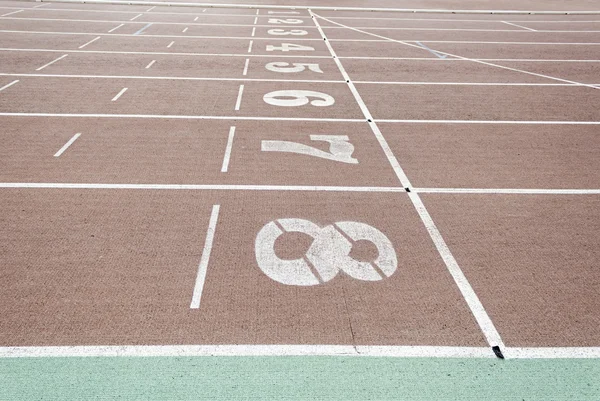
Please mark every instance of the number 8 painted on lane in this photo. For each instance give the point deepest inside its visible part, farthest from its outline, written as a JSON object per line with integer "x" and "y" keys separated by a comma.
{"x": 294, "y": 98}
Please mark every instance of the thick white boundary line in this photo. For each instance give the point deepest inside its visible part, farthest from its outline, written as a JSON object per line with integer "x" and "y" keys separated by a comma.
{"x": 526, "y": 122}
{"x": 390, "y": 351}
{"x": 485, "y": 323}
{"x": 228, "y": 148}
{"x": 508, "y": 191}
{"x": 324, "y": 8}
{"x": 52, "y": 62}
{"x": 203, "y": 266}
{"x": 66, "y": 145}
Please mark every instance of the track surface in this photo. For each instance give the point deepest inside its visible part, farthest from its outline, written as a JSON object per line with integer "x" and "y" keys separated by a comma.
{"x": 189, "y": 183}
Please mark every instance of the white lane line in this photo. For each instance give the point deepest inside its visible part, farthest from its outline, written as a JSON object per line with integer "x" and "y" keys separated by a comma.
{"x": 250, "y": 46}
{"x": 478, "y": 61}
{"x": 9, "y": 85}
{"x": 253, "y": 32}
{"x": 185, "y": 30}
{"x": 150, "y": 64}
{"x": 358, "y": 351}
{"x": 238, "y": 102}
{"x": 196, "y": 19}
{"x": 204, "y": 10}
{"x": 66, "y": 145}
{"x": 525, "y": 122}
{"x": 3, "y": 74}
{"x": 203, "y": 266}
{"x": 485, "y": 323}
{"x": 245, "y": 72}
{"x": 150, "y": 9}
{"x": 519, "y": 26}
{"x": 502, "y": 191}
{"x": 91, "y": 41}
{"x": 118, "y": 95}
{"x": 255, "y": 20}
{"x": 170, "y": 44}
{"x": 228, "y": 148}
{"x": 200, "y": 187}
{"x": 466, "y": 83}
{"x": 115, "y": 28}
{"x": 42, "y": 5}
{"x": 257, "y": 10}
{"x": 11, "y": 13}
{"x": 136, "y": 17}
{"x": 52, "y": 62}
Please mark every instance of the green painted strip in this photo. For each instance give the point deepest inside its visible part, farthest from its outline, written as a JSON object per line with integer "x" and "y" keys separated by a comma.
{"x": 260, "y": 378}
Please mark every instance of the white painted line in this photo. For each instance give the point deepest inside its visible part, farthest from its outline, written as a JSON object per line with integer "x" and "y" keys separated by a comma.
{"x": 485, "y": 323}
{"x": 238, "y": 102}
{"x": 257, "y": 10}
{"x": 390, "y": 351}
{"x": 199, "y": 187}
{"x": 250, "y": 46}
{"x": 204, "y": 10}
{"x": 203, "y": 266}
{"x": 255, "y": 20}
{"x": 114, "y": 99}
{"x": 479, "y": 61}
{"x": 501, "y": 191}
{"x": 66, "y": 145}
{"x": 42, "y": 5}
{"x": 525, "y": 122}
{"x": 184, "y": 30}
{"x": 253, "y": 31}
{"x": 150, "y": 64}
{"x": 466, "y": 83}
{"x": 91, "y": 41}
{"x": 180, "y": 78}
{"x": 519, "y": 26}
{"x": 115, "y": 28}
{"x": 170, "y": 44}
{"x": 9, "y": 85}
{"x": 150, "y": 9}
{"x": 137, "y": 16}
{"x": 141, "y": 30}
{"x": 196, "y": 19}
{"x": 185, "y": 117}
{"x": 245, "y": 72}
{"x": 448, "y": 60}
{"x": 225, "y": 165}
{"x": 11, "y": 13}
{"x": 52, "y": 62}
{"x": 438, "y": 55}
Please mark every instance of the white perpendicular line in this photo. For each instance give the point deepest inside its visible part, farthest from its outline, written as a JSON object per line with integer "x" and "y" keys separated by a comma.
{"x": 524, "y": 191}
{"x": 207, "y": 350}
{"x": 136, "y": 17}
{"x": 9, "y": 85}
{"x": 253, "y": 32}
{"x": 485, "y": 323}
{"x": 204, "y": 259}
{"x": 52, "y": 62}
{"x": 245, "y": 72}
{"x": 150, "y": 64}
{"x": 519, "y": 26}
{"x": 170, "y": 44}
{"x": 118, "y": 95}
{"x": 66, "y": 145}
{"x": 250, "y": 46}
{"x": 87, "y": 43}
{"x": 227, "y": 155}
{"x": 150, "y": 9}
{"x": 11, "y": 13}
{"x": 238, "y": 102}
{"x": 115, "y": 28}
{"x": 198, "y": 187}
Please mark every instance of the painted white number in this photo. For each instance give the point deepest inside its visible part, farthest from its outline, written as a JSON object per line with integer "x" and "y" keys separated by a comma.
{"x": 286, "y": 47}
{"x": 329, "y": 252}
{"x": 282, "y": 66}
{"x": 294, "y": 32}
{"x": 292, "y": 98}
{"x": 340, "y": 150}
{"x": 285, "y": 21}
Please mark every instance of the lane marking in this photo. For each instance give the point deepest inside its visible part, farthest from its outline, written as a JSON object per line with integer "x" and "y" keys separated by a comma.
{"x": 170, "y": 44}
{"x": 115, "y": 28}
{"x": 519, "y": 26}
{"x": 400, "y": 351}
{"x": 204, "y": 10}
{"x": 150, "y": 9}
{"x": 203, "y": 266}
{"x": 137, "y": 16}
{"x": 11, "y": 13}
{"x": 257, "y": 10}
{"x": 442, "y": 56}
{"x": 511, "y": 191}
{"x": 114, "y": 99}
{"x": 238, "y": 102}
{"x": 91, "y": 41}
{"x": 66, "y": 145}
{"x": 250, "y": 46}
{"x": 196, "y": 19}
{"x": 141, "y": 30}
{"x": 9, "y": 85}
{"x": 255, "y": 20}
{"x": 52, "y": 62}
{"x": 526, "y": 122}
{"x": 483, "y": 320}
{"x": 479, "y": 61}
{"x": 150, "y": 64}
{"x": 228, "y": 148}
{"x": 466, "y": 83}
{"x": 254, "y": 32}
{"x": 42, "y": 5}
{"x": 245, "y": 72}
{"x": 185, "y": 30}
